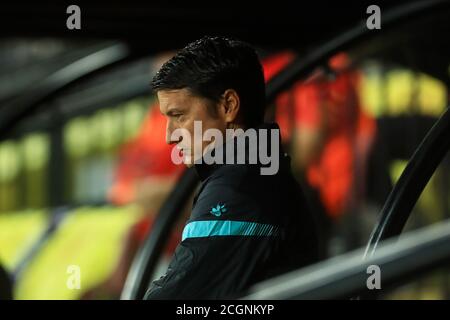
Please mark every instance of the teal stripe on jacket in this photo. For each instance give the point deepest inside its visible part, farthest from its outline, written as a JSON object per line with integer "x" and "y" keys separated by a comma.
{"x": 211, "y": 228}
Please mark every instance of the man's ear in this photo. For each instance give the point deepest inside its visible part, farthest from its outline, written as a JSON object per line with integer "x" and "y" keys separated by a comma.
{"x": 231, "y": 104}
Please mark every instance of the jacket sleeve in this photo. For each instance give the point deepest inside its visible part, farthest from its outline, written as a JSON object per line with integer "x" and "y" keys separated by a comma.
{"x": 220, "y": 250}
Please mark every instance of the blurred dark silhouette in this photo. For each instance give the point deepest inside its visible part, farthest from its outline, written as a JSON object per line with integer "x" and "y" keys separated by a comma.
{"x": 5, "y": 285}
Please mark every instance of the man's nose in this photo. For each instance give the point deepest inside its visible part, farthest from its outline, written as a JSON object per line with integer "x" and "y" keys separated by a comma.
{"x": 169, "y": 130}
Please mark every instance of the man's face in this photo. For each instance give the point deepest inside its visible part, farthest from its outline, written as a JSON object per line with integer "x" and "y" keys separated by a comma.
{"x": 182, "y": 108}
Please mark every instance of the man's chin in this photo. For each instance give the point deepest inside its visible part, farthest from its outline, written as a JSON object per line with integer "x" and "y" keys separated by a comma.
{"x": 187, "y": 160}
{"x": 188, "y": 164}
{"x": 190, "y": 161}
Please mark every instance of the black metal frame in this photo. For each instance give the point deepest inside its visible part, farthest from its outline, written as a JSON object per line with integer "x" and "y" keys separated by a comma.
{"x": 146, "y": 259}
{"x": 411, "y": 183}
{"x": 85, "y": 104}
{"x": 416, "y": 253}
{"x": 96, "y": 61}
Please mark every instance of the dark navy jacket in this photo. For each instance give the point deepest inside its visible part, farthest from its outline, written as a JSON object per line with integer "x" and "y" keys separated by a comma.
{"x": 245, "y": 227}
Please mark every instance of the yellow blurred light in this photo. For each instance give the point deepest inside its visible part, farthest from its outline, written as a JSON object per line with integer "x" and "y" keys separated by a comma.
{"x": 36, "y": 151}
{"x": 9, "y": 161}
{"x": 105, "y": 126}
{"x": 77, "y": 137}
{"x": 432, "y": 95}
{"x": 18, "y": 232}
{"x": 133, "y": 115}
{"x": 90, "y": 238}
{"x": 399, "y": 88}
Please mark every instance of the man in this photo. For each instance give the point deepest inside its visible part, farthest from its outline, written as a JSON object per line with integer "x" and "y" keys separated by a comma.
{"x": 245, "y": 225}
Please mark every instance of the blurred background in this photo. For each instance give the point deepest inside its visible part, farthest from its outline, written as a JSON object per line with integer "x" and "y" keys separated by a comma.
{"x": 84, "y": 168}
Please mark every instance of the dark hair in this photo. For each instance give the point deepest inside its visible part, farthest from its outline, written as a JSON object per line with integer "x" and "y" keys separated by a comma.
{"x": 211, "y": 65}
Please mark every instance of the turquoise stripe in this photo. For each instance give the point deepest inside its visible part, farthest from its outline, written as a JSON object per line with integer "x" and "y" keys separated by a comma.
{"x": 211, "y": 228}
